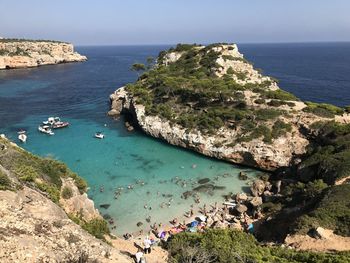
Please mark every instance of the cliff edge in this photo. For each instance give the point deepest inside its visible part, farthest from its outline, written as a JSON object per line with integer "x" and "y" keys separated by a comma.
{"x": 16, "y": 53}
{"x": 211, "y": 100}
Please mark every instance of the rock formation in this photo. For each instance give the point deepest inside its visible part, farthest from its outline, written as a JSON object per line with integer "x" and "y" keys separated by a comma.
{"x": 226, "y": 142}
{"x": 33, "y": 228}
{"x": 32, "y": 53}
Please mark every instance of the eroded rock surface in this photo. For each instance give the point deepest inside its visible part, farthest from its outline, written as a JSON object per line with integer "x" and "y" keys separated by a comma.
{"x": 24, "y": 54}
{"x": 34, "y": 229}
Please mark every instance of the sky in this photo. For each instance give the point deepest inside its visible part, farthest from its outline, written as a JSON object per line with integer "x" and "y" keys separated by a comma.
{"x": 139, "y": 22}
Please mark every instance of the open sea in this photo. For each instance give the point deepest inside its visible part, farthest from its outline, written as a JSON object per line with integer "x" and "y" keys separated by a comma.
{"x": 159, "y": 173}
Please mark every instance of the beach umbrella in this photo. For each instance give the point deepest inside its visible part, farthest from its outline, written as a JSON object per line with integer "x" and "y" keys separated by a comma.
{"x": 241, "y": 208}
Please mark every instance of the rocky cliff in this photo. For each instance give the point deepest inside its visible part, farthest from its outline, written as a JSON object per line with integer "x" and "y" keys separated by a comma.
{"x": 36, "y": 223}
{"x": 211, "y": 100}
{"x": 28, "y": 53}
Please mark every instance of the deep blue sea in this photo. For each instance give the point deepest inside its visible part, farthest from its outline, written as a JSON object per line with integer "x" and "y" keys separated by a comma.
{"x": 159, "y": 173}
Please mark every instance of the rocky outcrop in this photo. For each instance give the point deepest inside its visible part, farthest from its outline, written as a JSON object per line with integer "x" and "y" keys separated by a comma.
{"x": 225, "y": 143}
{"x": 78, "y": 203}
{"x": 34, "y": 229}
{"x": 255, "y": 153}
{"x": 26, "y": 53}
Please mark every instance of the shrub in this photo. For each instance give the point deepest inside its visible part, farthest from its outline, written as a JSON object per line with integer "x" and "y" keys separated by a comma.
{"x": 259, "y": 101}
{"x": 267, "y": 114}
{"x": 323, "y": 109}
{"x": 332, "y": 211}
{"x": 235, "y": 246}
{"x": 52, "y": 191}
{"x": 277, "y": 103}
{"x": 67, "y": 192}
{"x": 279, "y": 95}
{"x": 96, "y": 227}
{"x": 79, "y": 182}
{"x": 26, "y": 173}
{"x": 5, "y": 182}
{"x": 280, "y": 128}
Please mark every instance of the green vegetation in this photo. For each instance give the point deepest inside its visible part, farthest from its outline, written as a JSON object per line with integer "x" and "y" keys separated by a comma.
{"x": 19, "y": 52}
{"x": 278, "y": 95}
{"x": 5, "y": 182}
{"x": 331, "y": 211}
{"x": 138, "y": 67}
{"x": 277, "y": 103}
{"x": 235, "y": 246}
{"x": 323, "y": 109}
{"x": 67, "y": 192}
{"x": 280, "y": 128}
{"x": 97, "y": 227}
{"x": 42, "y": 173}
{"x": 187, "y": 92}
{"x": 329, "y": 158}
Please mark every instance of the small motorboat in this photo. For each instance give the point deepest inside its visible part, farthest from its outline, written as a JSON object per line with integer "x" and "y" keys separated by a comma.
{"x": 60, "y": 124}
{"x": 46, "y": 129}
{"x": 99, "y": 135}
{"x": 56, "y": 123}
{"x": 22, "y": 136}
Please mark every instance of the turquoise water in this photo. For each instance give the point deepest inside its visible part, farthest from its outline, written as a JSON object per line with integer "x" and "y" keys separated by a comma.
{"x": 123, "y": 159}
{"x": 79, "y": 93}
{"x": 158, "y": 173}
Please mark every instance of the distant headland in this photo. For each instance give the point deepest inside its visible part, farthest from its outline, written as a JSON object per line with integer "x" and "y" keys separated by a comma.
{"x": 25, "y": 53}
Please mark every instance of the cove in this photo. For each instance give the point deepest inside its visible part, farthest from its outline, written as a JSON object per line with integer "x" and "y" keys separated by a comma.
{"x": 159, "y": 174}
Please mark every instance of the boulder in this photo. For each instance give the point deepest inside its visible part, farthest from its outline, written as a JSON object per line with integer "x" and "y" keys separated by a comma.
{"x": 241, "y": 208}
{"x": 256, "y": 201}
{"x": 257, "y": 187}
{"x": 241, "y": 197}
{"x": 242, "y": 176}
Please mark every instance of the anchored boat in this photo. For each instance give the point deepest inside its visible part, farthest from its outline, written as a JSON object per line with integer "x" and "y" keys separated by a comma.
{"x": 22, "y": 136}
{"x": 46, "y": 129}
{"x": 99, "y": 135}
{"x": 56, "y": 123}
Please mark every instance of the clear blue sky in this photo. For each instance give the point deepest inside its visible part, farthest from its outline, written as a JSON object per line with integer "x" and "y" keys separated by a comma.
{"x": 90, "y": 22}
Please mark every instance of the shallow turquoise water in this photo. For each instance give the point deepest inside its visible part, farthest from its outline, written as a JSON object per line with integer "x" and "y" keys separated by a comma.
{"x": 123, "y": 159}
{"x": 79, "y": 94}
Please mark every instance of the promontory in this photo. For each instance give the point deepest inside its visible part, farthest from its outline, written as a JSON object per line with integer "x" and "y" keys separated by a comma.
{"x": 23, "y": 53}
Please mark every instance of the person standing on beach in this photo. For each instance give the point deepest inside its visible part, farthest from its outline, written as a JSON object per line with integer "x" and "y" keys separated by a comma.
{"x": 139, "y": 256}
{"x": 147, "y": 245}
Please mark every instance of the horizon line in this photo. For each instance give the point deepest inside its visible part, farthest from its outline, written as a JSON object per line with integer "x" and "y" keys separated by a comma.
{"x": 238, "y": 43}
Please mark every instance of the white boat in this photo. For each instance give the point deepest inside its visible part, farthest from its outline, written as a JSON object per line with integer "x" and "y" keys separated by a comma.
{"x": 46, "y": 129}
{"x": 22, "y": 136}
{"x": 99, "y": 135}
{"x": 56, "y": 123}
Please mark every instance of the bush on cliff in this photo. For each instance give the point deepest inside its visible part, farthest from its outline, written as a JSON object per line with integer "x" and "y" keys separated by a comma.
{"x": 5, "y": 182}
{"x": 331, "y": 211}
{"x": 97, "y": 227}
{"x": 236, "y": 246}
{"x": 329, "y": 157}
{"x": 323, "y": 109}
{"x": 43, "y": 173}
{"x": 67, "y": 192}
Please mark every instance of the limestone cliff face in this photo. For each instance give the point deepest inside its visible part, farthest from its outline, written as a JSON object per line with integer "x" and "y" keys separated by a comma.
{"x": 34, "y": 229}
{"x": 23, "y": 54}
{"x": 224, "y": 145}
{"x": 255, "y": 153}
